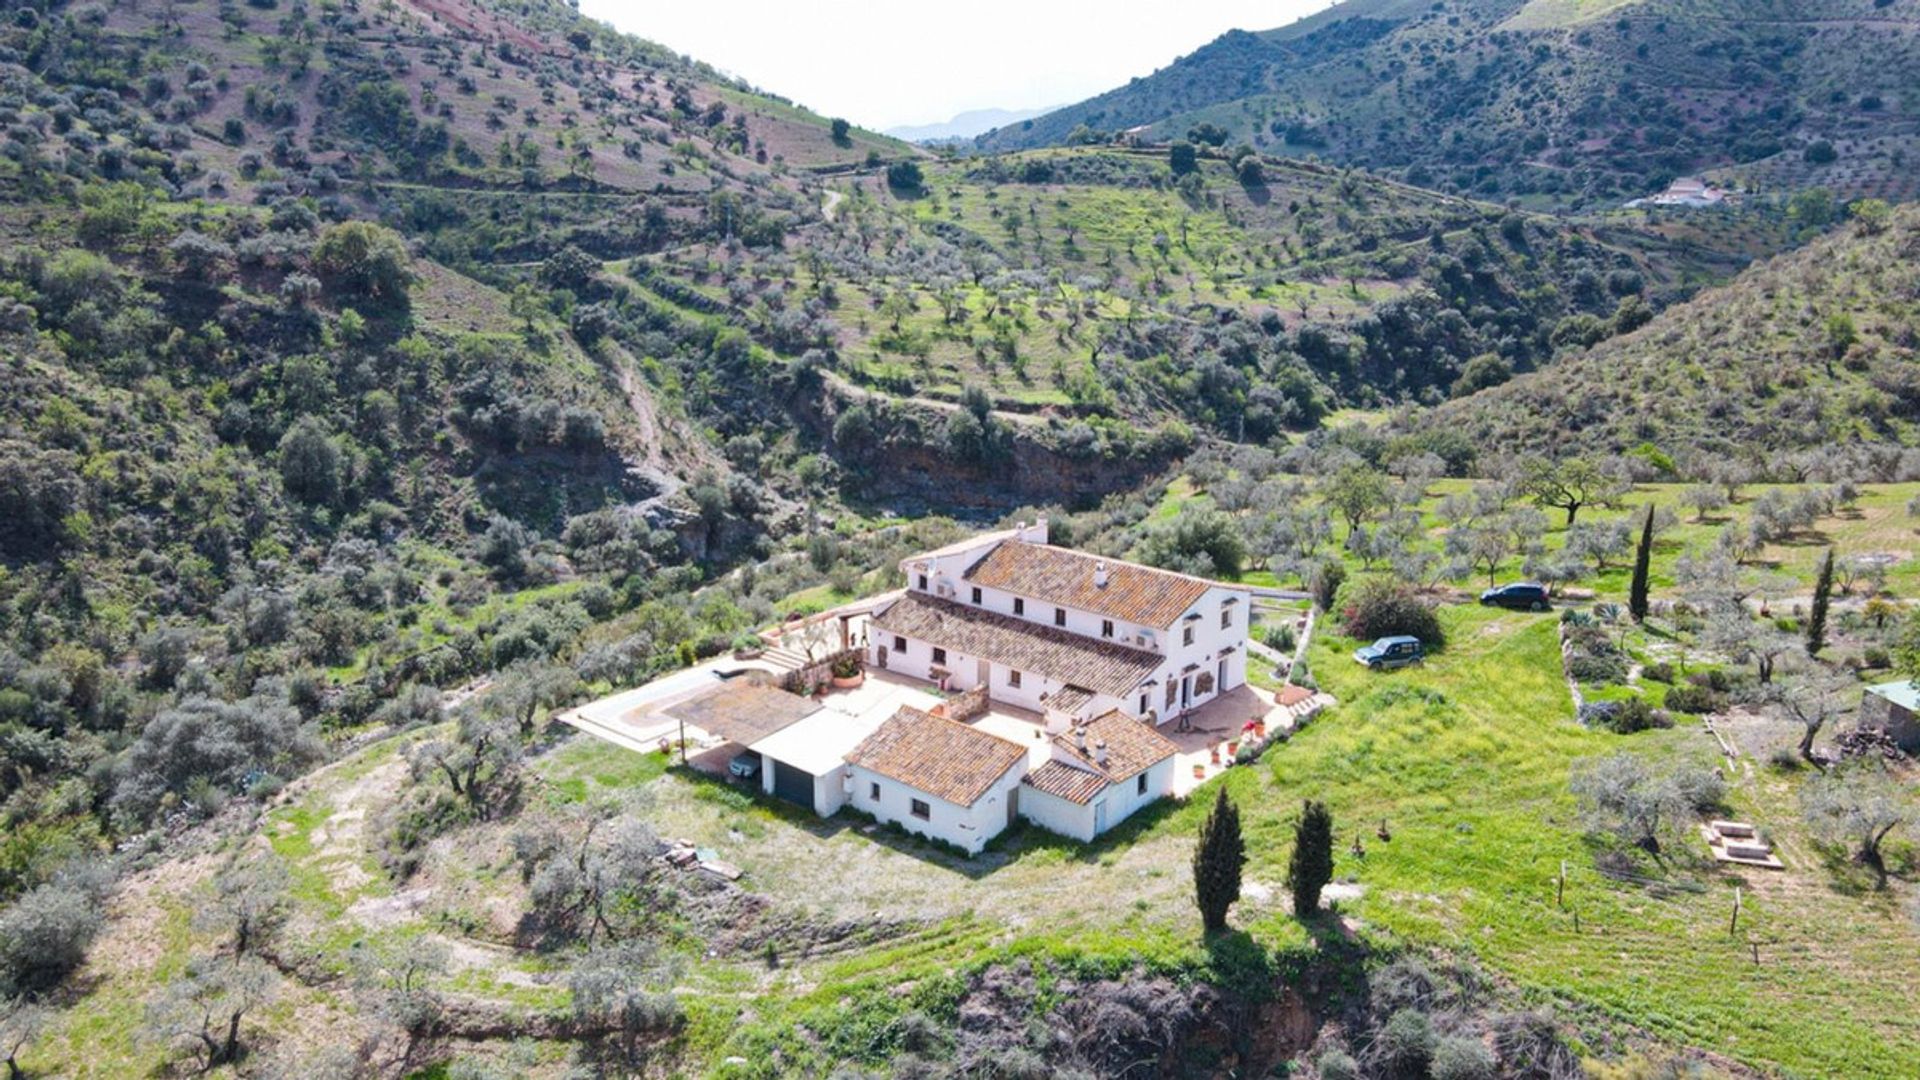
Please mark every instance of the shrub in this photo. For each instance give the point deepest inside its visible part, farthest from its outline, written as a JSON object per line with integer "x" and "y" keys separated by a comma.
{"x": 1404, "y": 1045}
{"x": 1377, "y": 607}
{"x": 1325, "y": 583}
{"x": 45, "y": 934}
{"x": 1337, "y": 1065}
{"x": 1631, "y": 715}
{"x": 1597, "y": 667}
{"x": 1697, "y": 700}
{"x": 1460, "y": 1057}
{"x": 1715, "y": 679}
{"x": 1661, "y": 672}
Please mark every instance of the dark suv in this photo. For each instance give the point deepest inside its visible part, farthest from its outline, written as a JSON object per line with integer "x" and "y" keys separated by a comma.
{"x": 1525, "y": 596}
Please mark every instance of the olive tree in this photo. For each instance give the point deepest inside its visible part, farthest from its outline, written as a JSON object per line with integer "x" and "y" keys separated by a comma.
{"x": 1859, "y": 805}
{"x": 1620, "y": 794}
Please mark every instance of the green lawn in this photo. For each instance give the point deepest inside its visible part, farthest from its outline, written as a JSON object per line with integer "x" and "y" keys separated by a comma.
{"x": 1466, "y": 759}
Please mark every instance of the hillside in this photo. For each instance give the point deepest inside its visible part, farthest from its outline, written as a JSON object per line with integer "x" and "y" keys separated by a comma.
{"x": 1811, "y": 350}
{"x": 1555, "y": 102}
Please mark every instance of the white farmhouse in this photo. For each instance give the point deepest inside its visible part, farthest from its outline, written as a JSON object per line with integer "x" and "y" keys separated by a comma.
{"x": 938, "y": 777}
{"x": 1062, "y": 632}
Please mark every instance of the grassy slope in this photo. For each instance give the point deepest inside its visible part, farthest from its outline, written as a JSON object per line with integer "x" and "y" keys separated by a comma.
{"x": 1738, "y": 370}
{"x": 1474, "y": 789}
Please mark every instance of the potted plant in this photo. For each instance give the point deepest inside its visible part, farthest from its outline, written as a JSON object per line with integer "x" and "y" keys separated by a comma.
{"x": 848, "y": 672}
{"x": 1233, "y": 747}
{"x": 1199, "y": 771}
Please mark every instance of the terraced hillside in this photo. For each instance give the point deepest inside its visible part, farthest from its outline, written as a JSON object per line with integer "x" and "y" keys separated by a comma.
{"x": 1094, "y": 290}
{"x": 1557, "y": 102}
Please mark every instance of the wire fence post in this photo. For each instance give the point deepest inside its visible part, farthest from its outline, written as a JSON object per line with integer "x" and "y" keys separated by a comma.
{"x": 1560, "y": 887}
{"x": 1733, "y": 927}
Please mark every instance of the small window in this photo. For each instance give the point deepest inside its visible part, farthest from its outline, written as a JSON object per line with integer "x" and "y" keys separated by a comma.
{"x": 899, "y": 643}
{"x": 873, "y": 792}
{"x": 1226, "y": 618}
{"x": 1059, "y": 616}
{"x": 1106, "y": 627}
{"x": 923, "y": 583}
{"x": 1140, "y": 784}
{"x": 1186, "y": 636}
{"x": 1013, "y": 679}
{"x": 1145, "y": 704}
{"x": 939, "y": 655}
{"x": 1019, "y": 606}
{"x": 976, "y": 594}
{"x": 921, "y": 810}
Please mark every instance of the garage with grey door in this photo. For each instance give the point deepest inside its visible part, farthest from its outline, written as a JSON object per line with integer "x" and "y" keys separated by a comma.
{"x": 792, "y": 784}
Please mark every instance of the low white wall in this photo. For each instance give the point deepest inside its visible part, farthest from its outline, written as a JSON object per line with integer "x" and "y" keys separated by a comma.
{"x": 1057, "y": 815}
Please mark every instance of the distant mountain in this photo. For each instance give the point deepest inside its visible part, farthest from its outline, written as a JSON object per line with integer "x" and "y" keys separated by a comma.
{"x": 1560, "y": 102}
{"x": 966, "y": 125}
{"x": 1813, "y": 349}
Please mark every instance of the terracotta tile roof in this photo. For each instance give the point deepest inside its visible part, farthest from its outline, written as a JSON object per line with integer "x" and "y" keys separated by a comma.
{"x": 1132, "y": 747}
{"x": 1069, "y": 699}
{"x": 742, "y": 711}
{"x": 943, "y": 758}
{"x": 1133, "y": 593}
{"x": 1100, "y": 666}
{"x": 1074, "y": 785}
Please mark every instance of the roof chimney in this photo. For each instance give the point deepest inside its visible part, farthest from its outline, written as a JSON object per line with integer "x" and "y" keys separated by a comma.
{"x": 1100, "y": 574}
{"x": 1100, "y": 751}
{"x": 1080, "y": 738}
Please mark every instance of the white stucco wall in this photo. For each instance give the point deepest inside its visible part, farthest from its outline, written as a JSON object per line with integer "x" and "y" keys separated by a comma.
{"x": 1121, "y": 801}
{"x": 967, "y": 827}
{"x": 1057, "y": 815}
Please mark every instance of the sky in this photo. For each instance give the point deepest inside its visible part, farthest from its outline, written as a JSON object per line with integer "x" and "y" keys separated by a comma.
{"x": 885, "y": 63}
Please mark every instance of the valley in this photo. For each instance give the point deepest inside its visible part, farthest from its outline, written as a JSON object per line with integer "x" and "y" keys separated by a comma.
{"x": 385, "y": 381}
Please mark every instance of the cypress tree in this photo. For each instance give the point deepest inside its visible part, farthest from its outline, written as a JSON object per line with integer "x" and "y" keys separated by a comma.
{"x": 1217, "y": 860}
{"x": 1642, "y": 562}
{"x": 1311, "y": 865}
{"x": 1822, "y": 596}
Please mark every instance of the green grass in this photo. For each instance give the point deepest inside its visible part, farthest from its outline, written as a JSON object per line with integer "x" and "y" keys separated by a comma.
{"x": 1466, "y": 759}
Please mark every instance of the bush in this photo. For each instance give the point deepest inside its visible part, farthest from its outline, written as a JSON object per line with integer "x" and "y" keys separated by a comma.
{"x": 1337, "y": 1065}
{"x": 45, "y": 934}
{"x": 1715, "y": 679}
{"x": 1377, "y": 607}
{"x": 1325, "y": 583}
{"x": 1697, "y": 700}
{"x": 1404, "y": 1045}
{"x": 1661, "y": 672}
{"x": 1599, "y": 668}
{"x": 1460, "y": 1057}
{"x": 1631, "y": 715}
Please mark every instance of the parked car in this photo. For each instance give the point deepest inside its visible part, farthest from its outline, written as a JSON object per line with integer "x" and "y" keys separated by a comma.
{"x": 1391, "y": 652}
{"x": 745, "y": 766}
{"x": 1520, "y": 596}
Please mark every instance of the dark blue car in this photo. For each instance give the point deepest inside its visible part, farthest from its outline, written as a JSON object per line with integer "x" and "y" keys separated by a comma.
{"x": 1521, "y": 596}
{"x": 1391, "y": 652}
